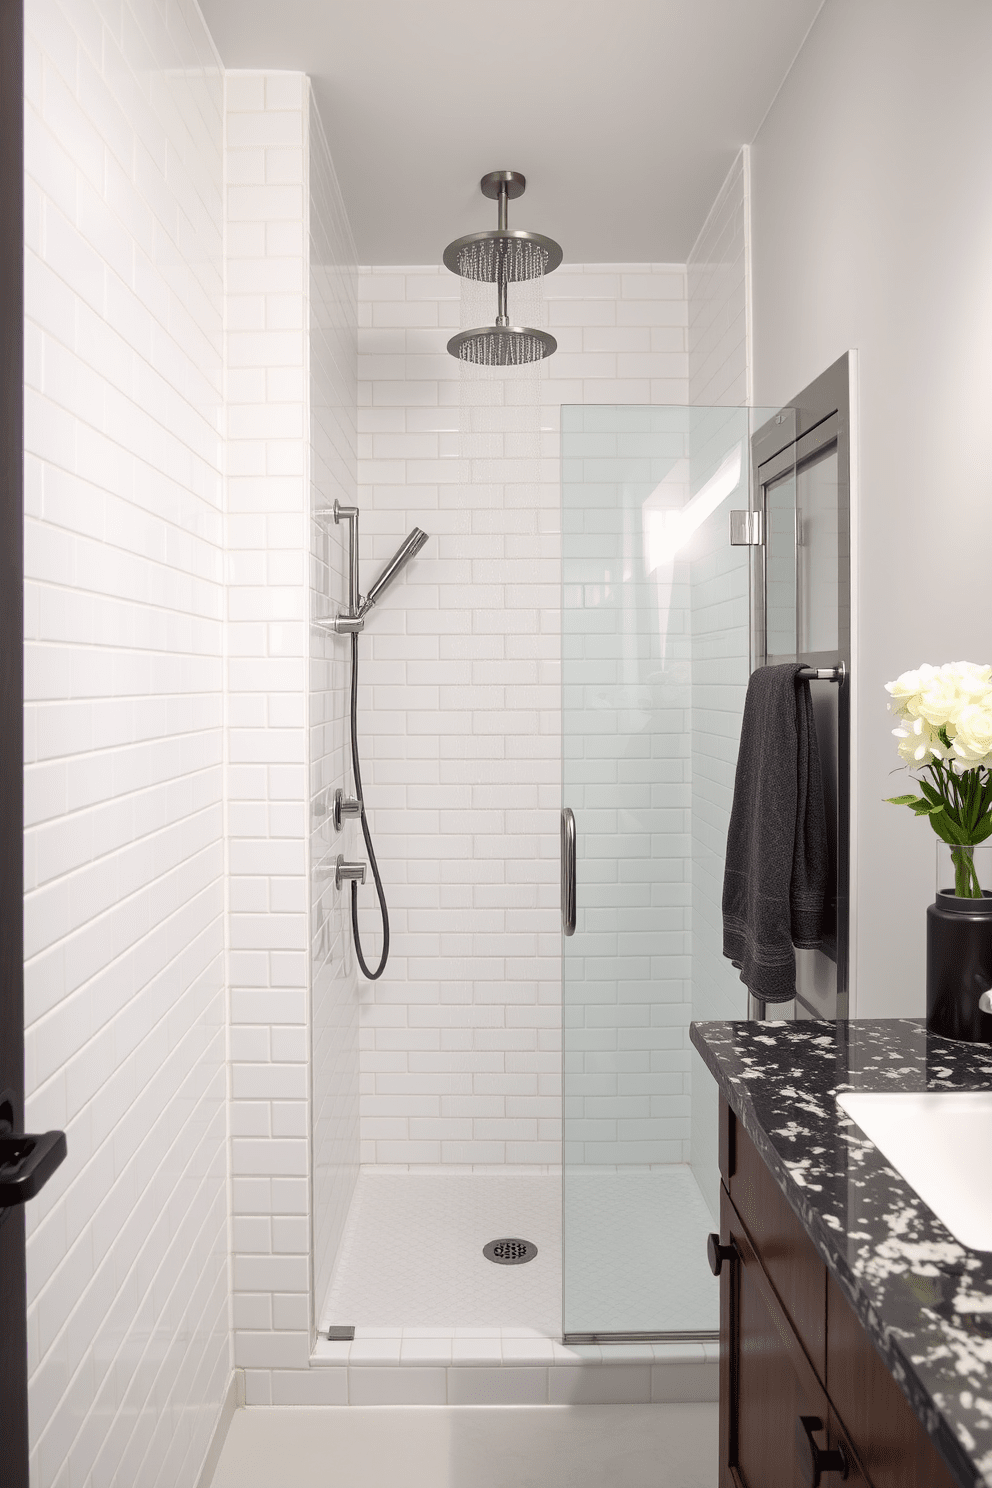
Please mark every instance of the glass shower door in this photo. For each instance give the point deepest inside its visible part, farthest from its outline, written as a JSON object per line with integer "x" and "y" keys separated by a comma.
{"x": 655, "y": 666}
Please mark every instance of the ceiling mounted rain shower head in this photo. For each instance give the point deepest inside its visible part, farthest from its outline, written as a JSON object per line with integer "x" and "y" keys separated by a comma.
{"x": 502, "y": 346}
{"x": 501, "y": 257}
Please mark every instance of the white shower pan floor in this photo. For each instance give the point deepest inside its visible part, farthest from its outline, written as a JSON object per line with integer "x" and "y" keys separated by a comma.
{"x": 411, "y": 1255}
{"x": 411, "y": 1262}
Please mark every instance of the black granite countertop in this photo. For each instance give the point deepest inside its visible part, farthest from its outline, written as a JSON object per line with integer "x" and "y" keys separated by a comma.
{"x": 924, "y": 1299}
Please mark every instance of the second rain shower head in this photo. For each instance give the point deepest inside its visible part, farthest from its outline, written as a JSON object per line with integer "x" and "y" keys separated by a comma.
{"x": 501, "y": 257}
{"x": 411, "y": 544}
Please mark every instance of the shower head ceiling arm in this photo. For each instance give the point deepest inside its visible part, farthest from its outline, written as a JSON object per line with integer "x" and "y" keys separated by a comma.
{"x": 497, "y": 257}
{"x": 502, "y": 313}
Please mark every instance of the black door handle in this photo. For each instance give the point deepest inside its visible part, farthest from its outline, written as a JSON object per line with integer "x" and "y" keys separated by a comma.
{"x": 814, "y": 1461}
{"x": 27, "y": 1159}
{"x": 716, "y": 1253}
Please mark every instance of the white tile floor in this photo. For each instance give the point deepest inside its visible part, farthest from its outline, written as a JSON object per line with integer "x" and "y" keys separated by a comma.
{"x": 624, "y": 1446}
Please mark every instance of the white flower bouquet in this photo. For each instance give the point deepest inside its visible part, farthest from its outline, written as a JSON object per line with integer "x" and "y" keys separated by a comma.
{"x": 945, "y": 731}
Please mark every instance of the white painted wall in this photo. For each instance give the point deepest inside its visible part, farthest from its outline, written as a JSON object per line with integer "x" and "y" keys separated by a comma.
{"x": 461, "y": 712}
{"x": 124, "y": 853}
{"x": 872, "y": 229}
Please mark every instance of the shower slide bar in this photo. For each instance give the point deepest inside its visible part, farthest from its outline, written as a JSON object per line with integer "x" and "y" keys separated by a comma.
{"x": 350, "y": 621}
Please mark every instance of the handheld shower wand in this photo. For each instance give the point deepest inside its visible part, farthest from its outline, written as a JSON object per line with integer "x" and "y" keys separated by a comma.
{"x": 354, "y": 623}
{"x": 410, "y": 545}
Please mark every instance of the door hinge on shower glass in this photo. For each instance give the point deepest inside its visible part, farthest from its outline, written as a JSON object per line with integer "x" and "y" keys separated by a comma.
{"x": 747, "y": 529}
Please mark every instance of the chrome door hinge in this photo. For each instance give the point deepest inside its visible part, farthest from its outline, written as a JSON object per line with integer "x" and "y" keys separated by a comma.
{"x": 747, "y": 529}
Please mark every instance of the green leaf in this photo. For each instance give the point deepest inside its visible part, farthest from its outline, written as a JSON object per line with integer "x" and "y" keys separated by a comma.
{"x": 951, "y": 831}
{"x": 902, "y": 800}
{"x": 941, "y": 826}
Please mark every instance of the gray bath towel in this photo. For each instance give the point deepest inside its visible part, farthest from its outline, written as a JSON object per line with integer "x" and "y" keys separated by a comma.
{"x": 776, "y": 871}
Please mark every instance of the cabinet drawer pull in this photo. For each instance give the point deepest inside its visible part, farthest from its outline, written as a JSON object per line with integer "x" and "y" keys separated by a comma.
{"x": 716, "y": 1253}
{"x": 814, "y": 1461}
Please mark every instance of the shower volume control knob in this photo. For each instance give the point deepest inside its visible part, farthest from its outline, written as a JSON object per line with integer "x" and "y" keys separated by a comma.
{"x": 345, "y": 806}
{"x": 343, "y": 871}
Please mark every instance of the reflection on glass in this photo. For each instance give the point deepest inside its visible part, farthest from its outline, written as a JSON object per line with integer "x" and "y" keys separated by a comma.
{"x": 780, "y": 571}
{"x": 818, "y": 553}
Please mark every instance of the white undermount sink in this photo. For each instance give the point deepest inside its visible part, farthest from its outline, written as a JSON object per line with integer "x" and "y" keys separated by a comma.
{"x": 941, "y": 1143}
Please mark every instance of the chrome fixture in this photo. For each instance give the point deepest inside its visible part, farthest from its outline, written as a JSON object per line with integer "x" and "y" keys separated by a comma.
{"x": 345, "y": 806}
{"x": 500, "y": 256}
{"x": 823, "y": 674}
{"x": 747, "y": 529}
{"x": 342, "y": 871}
{"x": 410, "y": 545}
{"x": 351, "y": 621}
{"x": 567, "y": 871}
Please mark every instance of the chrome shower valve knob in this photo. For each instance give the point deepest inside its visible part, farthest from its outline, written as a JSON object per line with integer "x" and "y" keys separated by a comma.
{"x": 345, "y": 806}
{"x": 343, "y": 871}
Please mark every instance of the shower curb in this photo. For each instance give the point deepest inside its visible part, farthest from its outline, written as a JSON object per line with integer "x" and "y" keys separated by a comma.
{"x": 526, "y": 1371}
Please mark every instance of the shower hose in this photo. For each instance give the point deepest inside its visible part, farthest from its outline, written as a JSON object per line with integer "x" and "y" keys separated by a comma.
{"x": 373, "y": 976}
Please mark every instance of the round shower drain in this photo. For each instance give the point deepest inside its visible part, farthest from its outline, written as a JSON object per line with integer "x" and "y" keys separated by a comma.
{"x": 509, "y": 1252}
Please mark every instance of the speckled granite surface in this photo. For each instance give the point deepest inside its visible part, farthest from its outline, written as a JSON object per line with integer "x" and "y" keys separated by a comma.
{"x": 925, "y": 1300}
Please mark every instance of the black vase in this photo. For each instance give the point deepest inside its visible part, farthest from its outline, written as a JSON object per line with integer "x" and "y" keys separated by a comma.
{"x": 959, "y": 966}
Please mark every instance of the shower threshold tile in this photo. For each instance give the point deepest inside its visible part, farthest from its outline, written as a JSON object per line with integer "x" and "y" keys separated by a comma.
{"x": 331, "y": 1353}
{"x": 376, "y": 1351}
{"x": 528, "y": 1350}
{"x": 425, "y": 1351}
{"x": 476, "y": 1351}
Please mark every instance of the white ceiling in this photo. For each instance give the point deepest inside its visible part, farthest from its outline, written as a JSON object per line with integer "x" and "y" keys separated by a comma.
{"x": 624, "y": 115}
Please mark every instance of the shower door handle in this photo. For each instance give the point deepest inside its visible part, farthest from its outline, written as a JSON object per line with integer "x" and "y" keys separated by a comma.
{"x": 567, "y": 871}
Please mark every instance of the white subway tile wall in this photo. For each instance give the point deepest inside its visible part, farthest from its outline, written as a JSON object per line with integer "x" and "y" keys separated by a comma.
{"x": 461, "y": 713}
{"x": 292, "y": 324}
{"x": 267, "y": 628}
{"x": 719, "y": 269}
{"x": 124, "y": 848}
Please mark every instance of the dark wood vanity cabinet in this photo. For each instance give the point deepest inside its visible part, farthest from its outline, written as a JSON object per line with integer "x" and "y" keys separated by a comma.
{"x": 805, "y": 1398}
